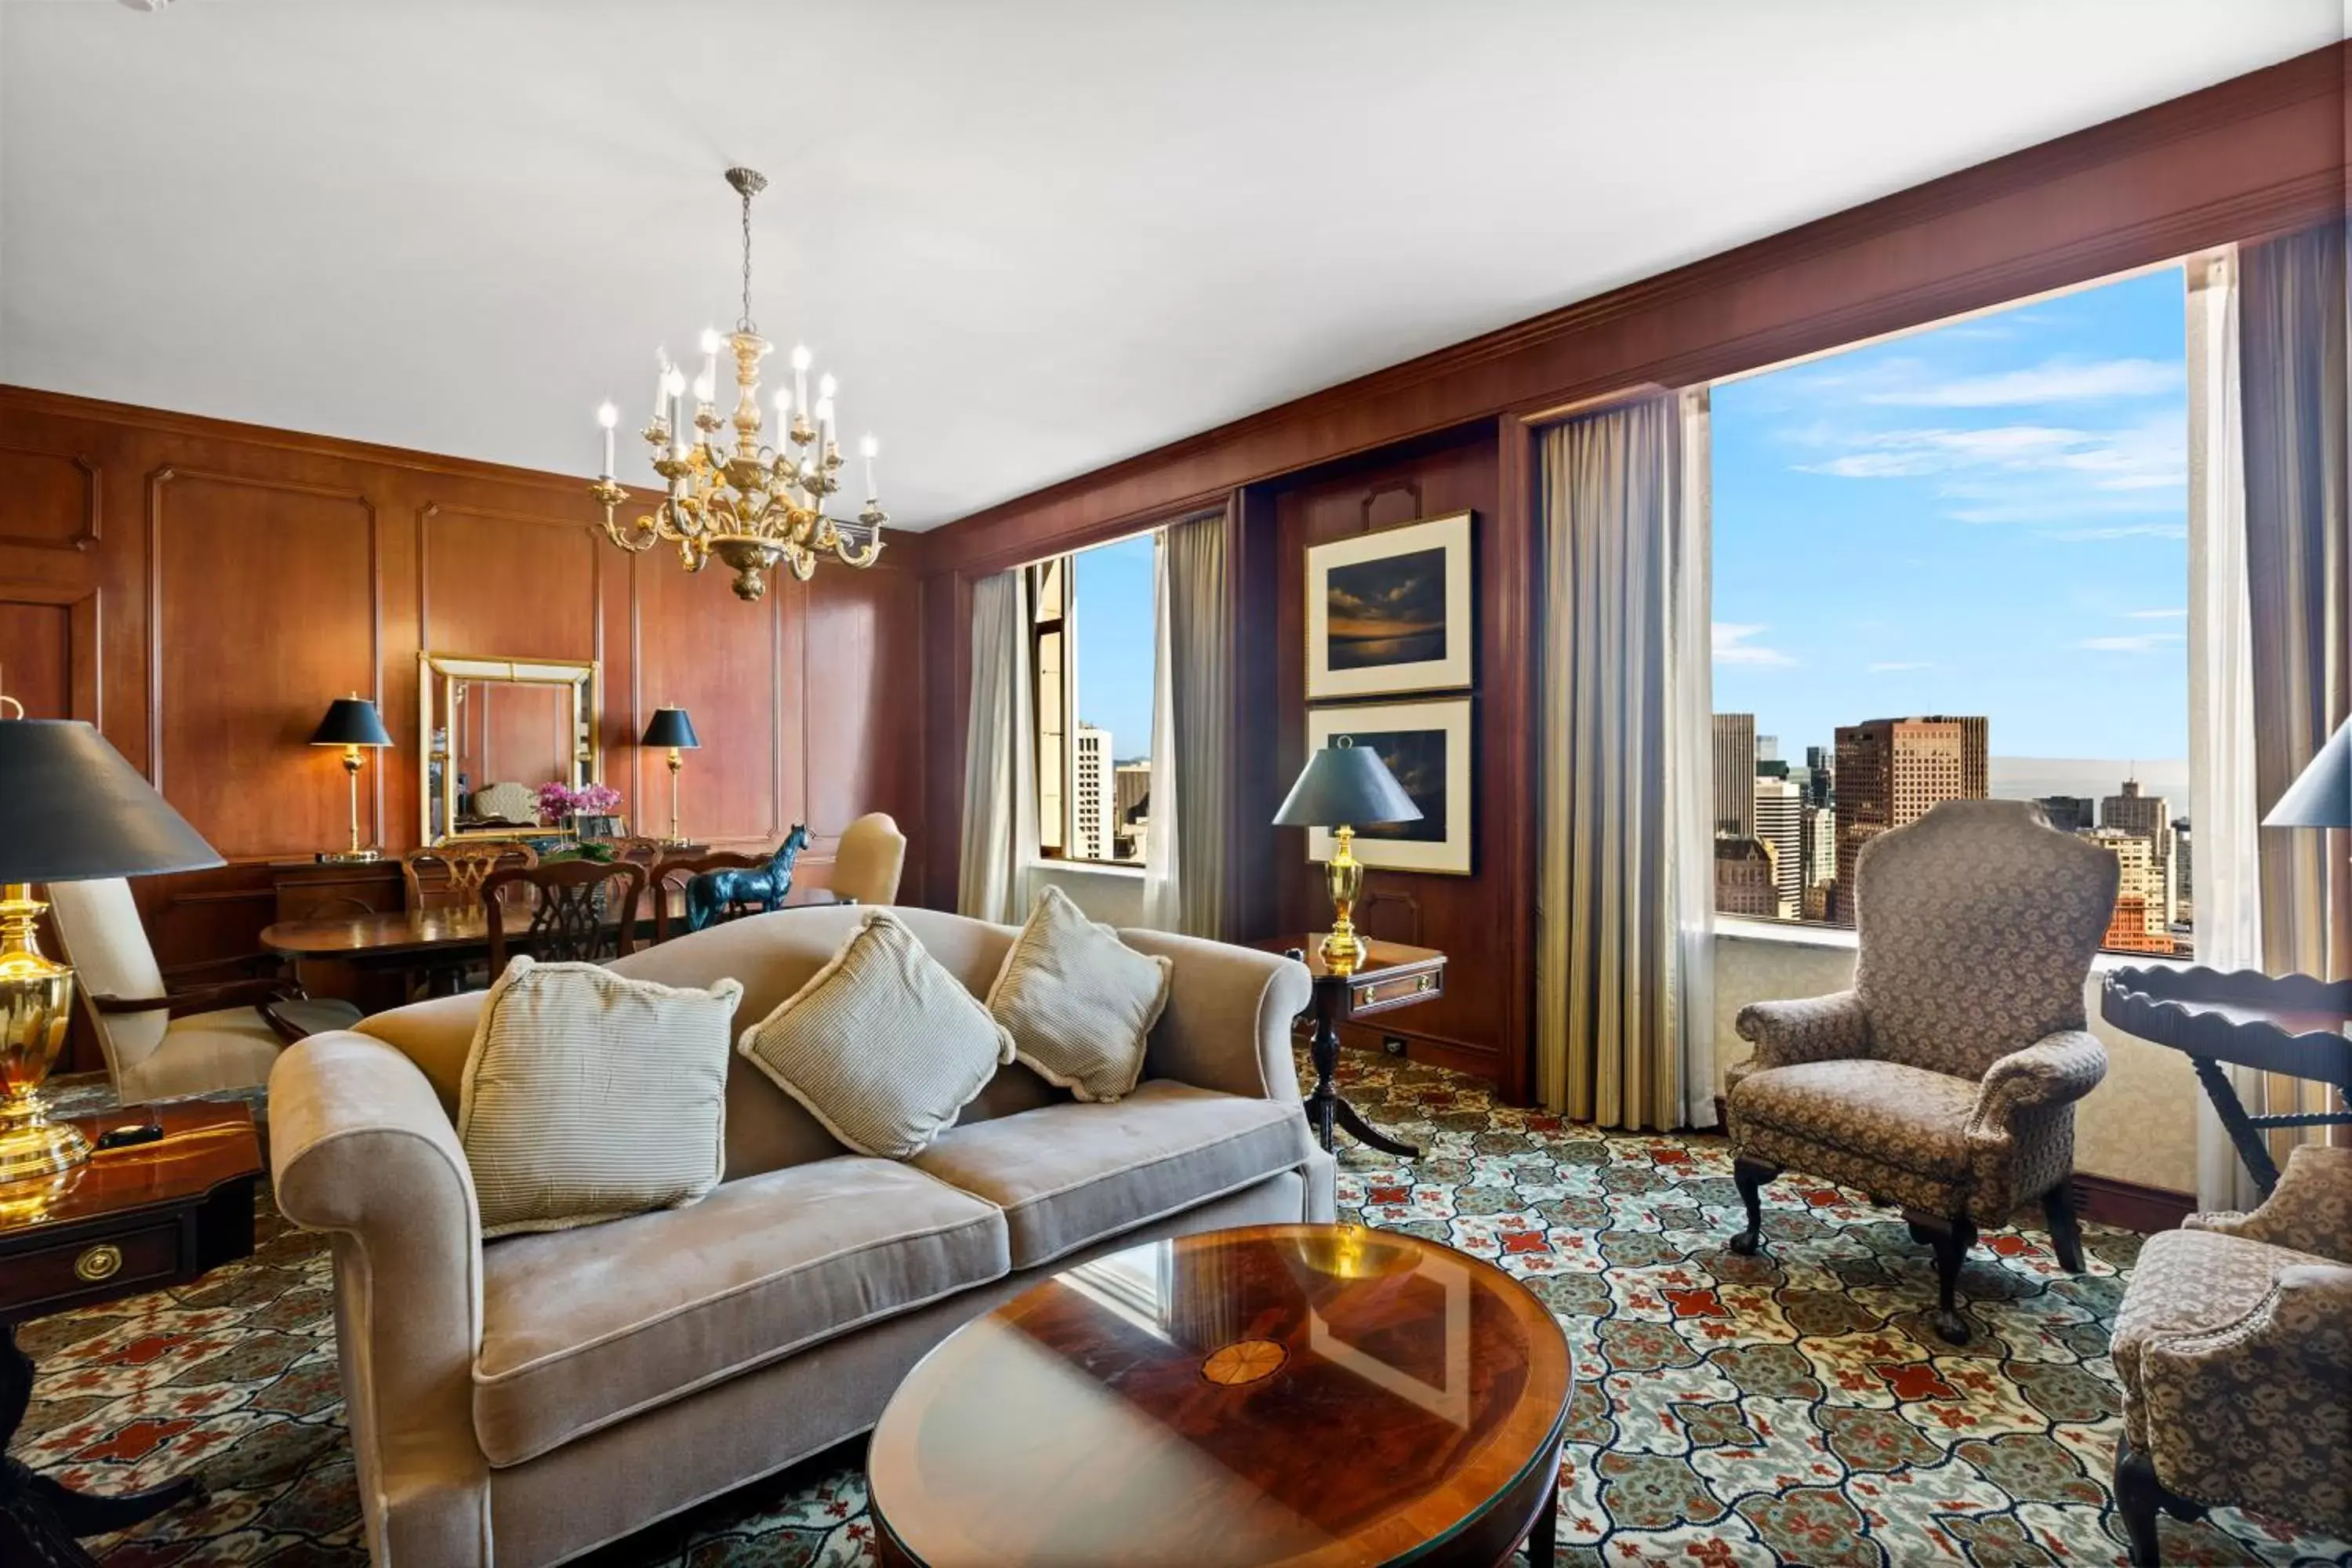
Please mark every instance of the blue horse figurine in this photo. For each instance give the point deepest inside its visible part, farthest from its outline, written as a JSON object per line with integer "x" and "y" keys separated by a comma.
{"x": 712, "y": 895}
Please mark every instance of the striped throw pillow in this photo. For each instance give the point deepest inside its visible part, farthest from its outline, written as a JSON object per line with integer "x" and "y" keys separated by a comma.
{"x": 588, "y": 1096}
{"x": 883, "y": 1044}
{"x": 1079, "y": 1002}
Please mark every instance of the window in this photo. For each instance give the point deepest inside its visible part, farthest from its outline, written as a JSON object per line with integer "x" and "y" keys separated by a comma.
{"x": 1093, "y": 638}
{"x": 1954, "y": 564}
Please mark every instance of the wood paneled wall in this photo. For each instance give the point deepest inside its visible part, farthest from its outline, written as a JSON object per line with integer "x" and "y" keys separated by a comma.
{"x": 200, "y": 590}
{"x": 2259, "y": 156}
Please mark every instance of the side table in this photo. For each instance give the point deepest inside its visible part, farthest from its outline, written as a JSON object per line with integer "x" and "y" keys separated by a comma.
{"x": 1390, "y": 976}
{"x": 131, "y": 1220}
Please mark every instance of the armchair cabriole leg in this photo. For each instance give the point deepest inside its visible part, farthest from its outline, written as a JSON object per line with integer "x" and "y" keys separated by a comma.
{"x": 1951, "y": 1238}
{"x": 1749, "y": 1176}
{"x": 2139, "y": 1496}
{"x": 2066, "y": 1230}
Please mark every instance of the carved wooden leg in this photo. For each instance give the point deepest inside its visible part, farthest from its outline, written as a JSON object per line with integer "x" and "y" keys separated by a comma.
{"x": 2065, "y": 1231}
{"x": 1951, "y": 1238}
{"x": 1749, "y": 1176}
{"x": 2138, "y": 1497}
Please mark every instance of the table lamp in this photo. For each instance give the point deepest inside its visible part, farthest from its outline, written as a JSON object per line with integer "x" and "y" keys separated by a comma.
{"x": 351, "y": 723}
{"x": 2321, "y": 796}
{"x": 1345, "y": 786}
{"x": 75, "y": 810}
{"x": 671, "y": 727}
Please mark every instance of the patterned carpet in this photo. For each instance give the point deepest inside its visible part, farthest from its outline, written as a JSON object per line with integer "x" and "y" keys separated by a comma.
{"x": 1793, "y": 1407}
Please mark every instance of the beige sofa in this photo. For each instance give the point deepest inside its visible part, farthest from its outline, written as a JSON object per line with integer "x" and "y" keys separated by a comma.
{"x": 524, "y": 1401}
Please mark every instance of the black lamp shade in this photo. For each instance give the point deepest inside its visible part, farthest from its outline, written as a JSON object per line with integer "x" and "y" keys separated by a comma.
{"x": 1346, "y": 786}
{"x": 73, "y": 809}
{"x": 2321, "y": 796}
{"x": 351, "y": 721}
{"x": 671, "y": 727}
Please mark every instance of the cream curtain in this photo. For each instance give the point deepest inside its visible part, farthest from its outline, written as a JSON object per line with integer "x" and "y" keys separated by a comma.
{"x": 2220, "y": 689}
{"x": 1000, "y": 784}
{"x": 1196, "y": 650}
{"x": 1163, "y": 859}
{"x": 1624, "y": 923}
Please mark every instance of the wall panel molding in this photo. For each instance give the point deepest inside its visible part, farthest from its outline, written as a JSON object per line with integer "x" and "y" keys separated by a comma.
{"x": 80, "y": 523}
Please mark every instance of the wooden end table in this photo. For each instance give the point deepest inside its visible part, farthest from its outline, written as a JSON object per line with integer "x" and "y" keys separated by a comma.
{"x": 1315, "y": 1395}
{"x": 1391, "y": 975}
{"x": 129, "y": 1221}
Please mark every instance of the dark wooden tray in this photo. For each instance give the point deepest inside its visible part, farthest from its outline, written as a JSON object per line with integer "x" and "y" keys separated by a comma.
{"x": 2288, "y": 1024}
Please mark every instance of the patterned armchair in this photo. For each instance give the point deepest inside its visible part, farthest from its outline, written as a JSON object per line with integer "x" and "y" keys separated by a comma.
{"x": 2235, "y": 1350}
{"x": 1945, "y": 1081}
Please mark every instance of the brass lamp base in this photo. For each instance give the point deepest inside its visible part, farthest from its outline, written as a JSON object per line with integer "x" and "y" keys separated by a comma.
{"x": 35, "y": 1005}
{"x": 1342, "y": 948}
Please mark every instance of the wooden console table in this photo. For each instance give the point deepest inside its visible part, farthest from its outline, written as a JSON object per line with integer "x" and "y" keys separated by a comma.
{"x": 129, "y": 1221}
{"x": 1391, "y": 975}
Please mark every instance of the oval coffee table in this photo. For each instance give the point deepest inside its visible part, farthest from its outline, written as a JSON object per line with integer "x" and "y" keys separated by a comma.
{"x": 1308, "y": 1395}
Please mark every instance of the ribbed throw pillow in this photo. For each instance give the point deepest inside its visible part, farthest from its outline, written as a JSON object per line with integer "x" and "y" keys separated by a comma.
{"x": 883, "y": 1044}
{"x": 587, "y": 1097}
{"x": 1079, "y": 1002}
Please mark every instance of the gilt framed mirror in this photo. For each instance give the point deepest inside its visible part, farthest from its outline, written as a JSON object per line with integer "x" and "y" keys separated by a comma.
{"x": 493, "y": 732}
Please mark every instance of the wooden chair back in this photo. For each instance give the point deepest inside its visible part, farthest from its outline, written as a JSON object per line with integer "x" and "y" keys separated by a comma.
{"x": 672, "y": 872}
{"x": 577, "y": 910}
{"x": 450, "y": 876}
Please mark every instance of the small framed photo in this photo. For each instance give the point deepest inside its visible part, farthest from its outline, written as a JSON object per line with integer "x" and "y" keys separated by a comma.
{"x": 1427, "y": 746}
{"x": 1391, "y": 612}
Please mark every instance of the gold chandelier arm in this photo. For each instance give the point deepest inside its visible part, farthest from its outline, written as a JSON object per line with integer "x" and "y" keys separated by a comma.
{"x": 860, "y": 559}
{"x": 802, "y": 562}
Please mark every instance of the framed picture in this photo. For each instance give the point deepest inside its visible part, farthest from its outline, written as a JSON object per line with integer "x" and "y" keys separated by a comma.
{"x": 1427, "y": 746}
{"x": 1389, "y": 612}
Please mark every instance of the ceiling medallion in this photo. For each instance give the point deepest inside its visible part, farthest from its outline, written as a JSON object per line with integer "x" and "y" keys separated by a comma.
{"x": 756, "y": 506}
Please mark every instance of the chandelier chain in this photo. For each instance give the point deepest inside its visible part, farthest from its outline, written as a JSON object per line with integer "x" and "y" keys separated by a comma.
{"x": 744, "y": 322}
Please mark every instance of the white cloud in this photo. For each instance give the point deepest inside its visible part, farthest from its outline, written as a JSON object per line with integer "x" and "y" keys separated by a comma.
{"x": 1888, "y": 667}
{"x": 2138, "y": 642}
{"x": 1732, "y": 646}
{"x": 2052, "y": 380}
{"x": 2130, "y": 530}
{"x": 2156, "y": 615}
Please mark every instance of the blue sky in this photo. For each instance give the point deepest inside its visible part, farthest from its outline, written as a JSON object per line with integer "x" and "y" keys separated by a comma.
{"x": 1115, "y": 643}
{"x": 1990, "y": 517}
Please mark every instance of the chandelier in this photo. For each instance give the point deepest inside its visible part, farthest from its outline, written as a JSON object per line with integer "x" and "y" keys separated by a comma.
{"x": 753, "y": 506}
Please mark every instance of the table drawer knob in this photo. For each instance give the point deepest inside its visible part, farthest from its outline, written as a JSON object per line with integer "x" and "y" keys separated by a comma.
{"x": 101, "y": 1262}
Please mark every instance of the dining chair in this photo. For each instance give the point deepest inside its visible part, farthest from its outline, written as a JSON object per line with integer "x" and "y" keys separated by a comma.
{"x": 161, "y": 1044}
{"x": 450, "y": 876}
{"x": 670, "y": 875}
{"x": 868, "y": 859}
{"x": 579, "y": 911}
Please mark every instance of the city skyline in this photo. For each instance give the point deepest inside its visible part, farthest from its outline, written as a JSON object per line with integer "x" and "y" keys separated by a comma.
{"x": 1987, "y": 517}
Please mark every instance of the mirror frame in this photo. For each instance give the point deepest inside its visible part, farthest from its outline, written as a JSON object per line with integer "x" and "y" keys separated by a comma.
{"x": 437, "y": 675}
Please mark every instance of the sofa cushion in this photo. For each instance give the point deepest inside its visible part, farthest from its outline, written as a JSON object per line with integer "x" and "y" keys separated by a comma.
{"x": 1078, "y": 1002}
{"x": 588, "y": 1095}
{"x": 582, "y": 1329}
{"x": 1904, "y": 1117}
{"x": 883, "y": 1044}
{"x": 1069, "y": 1175}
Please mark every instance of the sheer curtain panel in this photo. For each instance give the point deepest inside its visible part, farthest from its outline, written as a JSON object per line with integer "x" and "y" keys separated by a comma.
{"x": 999, "y": 782}
{"x": 1196, "y": 649}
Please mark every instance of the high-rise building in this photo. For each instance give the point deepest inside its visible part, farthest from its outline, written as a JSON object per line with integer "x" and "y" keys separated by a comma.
{"x": 1780, "y": 825}
{"x": 1734, "y": 775}
{"x": 2150, "y": 817}
{"x": 1891, "y": 772}
{"x": 1768, "y": 748}
{"x": 1820, "y": 762}
{"x": 2069, "y": 813}
{"x": 1132, "y": 785}
{"x": 1094, "y": 804}
{"x": 2139, "y": 922}
{"x": 1744, "y": 883}
{"x": 2183, "y": 844}
{"x": 1820, "y": 851}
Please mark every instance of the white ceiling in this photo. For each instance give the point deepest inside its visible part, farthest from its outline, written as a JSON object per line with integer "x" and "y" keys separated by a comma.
{"x": 1031, "y": 236}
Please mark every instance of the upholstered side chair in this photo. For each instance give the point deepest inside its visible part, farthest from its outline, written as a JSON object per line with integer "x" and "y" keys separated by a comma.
{"x": 2235, "y": 1354}
{"x": 868, "y": 861}
{"x": 2235, "y": 1350}
{"x": 168, "y": 1045}
{"x": 1945, "y": 1081}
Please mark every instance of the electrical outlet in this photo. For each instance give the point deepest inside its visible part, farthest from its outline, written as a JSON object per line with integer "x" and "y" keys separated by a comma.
{"x": 1393, "y": 1043}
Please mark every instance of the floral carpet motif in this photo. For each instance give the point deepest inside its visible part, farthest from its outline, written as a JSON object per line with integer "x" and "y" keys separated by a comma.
{"x": 1793, "y": 1407}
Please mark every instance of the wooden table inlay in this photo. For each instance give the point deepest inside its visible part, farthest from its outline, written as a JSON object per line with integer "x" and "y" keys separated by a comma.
{"x": 1311, "y": 1395}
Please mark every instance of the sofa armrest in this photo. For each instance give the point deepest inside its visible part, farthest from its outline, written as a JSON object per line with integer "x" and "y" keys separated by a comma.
{"x": 1814, "y": 1029}
{"x": 360, "y": 1147}
{"x": 2310, "y": 1210}
{"x": 1227, "y": 1023}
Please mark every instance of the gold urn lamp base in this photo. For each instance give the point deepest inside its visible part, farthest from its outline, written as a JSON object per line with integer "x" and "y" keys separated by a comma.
{"x": 36, "y": 1004}
{"x": 1342, "y": 948}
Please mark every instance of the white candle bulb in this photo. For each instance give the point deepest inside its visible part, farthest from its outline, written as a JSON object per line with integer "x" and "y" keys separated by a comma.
{"x": 824, "y": 418}
{"x": 607, "y": 416}
{"x": 661, "y": 383}
{"x": 868, "y": 449}
{"x": 703, "y": 389}
{"x": 710, "y": 360}
{"x": 801, "y": 358}
{"x": 783, "y": 408}
{"x": 827, "y": 386}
